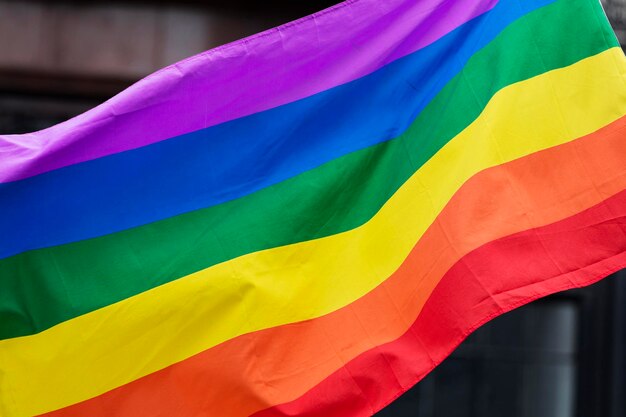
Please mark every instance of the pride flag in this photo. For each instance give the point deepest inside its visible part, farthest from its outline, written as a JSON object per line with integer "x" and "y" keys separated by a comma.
{"x": 307, "y": 221}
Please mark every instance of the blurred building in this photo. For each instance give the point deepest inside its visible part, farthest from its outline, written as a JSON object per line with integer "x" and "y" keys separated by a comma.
{"x": 59, "y": 58}
{"x": 559, "y": 357}
{"x": 616, "y": 11}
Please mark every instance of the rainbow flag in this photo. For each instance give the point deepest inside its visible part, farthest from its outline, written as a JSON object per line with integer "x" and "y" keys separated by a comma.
{"x": 307, "y": 221}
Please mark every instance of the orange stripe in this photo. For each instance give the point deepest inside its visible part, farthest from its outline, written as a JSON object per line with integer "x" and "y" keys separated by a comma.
{"x": 274, "y": 366}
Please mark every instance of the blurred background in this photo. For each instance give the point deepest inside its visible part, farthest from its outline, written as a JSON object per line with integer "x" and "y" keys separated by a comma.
{"x": 559, "y": 357}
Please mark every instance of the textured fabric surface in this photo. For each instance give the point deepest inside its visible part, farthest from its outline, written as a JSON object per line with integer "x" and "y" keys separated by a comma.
{"x": 307, "y": 221}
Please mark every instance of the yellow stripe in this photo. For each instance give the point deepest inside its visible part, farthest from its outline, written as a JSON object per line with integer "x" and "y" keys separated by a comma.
{"x": 99, "y": 351}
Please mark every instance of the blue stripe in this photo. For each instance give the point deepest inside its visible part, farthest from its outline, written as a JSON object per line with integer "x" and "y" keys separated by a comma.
{"x": 224, "y": 162}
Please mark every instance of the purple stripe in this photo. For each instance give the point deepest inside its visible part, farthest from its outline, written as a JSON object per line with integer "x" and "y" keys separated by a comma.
{"x": 269, "y": 69}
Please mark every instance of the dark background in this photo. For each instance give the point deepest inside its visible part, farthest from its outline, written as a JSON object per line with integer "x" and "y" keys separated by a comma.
{"x": 562, "y": 356}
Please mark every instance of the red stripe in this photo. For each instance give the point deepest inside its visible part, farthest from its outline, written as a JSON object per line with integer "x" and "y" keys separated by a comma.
{"x": 490, "y": 281}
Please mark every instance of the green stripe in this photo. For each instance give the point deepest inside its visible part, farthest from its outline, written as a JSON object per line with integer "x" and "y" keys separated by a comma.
{"x": 44, "y": 287}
